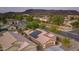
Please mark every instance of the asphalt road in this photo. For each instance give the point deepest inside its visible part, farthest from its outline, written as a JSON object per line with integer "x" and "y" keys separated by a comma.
{"x": 75, "y": 31}
{"x": 70, "y": 35}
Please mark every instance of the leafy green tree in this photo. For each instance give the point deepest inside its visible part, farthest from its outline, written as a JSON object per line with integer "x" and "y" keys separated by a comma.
{"x": 32, "y": 25}
{"x": 13, "y": 16}
{"x": 3, "y": 19}
{"x": 66, "y": 42}
{"x": 29, "y": 18}
{"x": 10, "y": 16}
{"x": 75, "y": 24}
{"x": 57, "y": 20}
{"x": 19, "y": 17}
{"x": 54, "y": 29}
{"x": 42, "y": 25}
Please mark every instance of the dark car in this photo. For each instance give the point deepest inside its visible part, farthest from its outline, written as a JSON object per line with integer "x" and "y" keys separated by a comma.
{"x": 5, "y": 29}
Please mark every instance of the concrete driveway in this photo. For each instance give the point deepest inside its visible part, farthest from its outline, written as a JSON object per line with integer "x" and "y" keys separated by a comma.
{"x": 54, "y": 48}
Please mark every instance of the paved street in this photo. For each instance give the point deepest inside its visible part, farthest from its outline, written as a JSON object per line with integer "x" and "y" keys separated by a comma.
{"x": 70, "y": 35}
{"x": 75, "y": 31}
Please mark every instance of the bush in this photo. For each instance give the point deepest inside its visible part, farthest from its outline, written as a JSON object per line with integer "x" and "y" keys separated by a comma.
{"x": 66, "y": 42}
{"x": 75, "y": 24}
{"x": 32, "y": 25}
{"x": 57, "y": 20}
{"x": 42, "y": 25}
{"x": 54, "y": 29}
{"x": 29, "y": 18}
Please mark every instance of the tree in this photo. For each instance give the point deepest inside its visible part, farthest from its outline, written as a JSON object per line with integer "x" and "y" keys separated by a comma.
{"x": 29, "y": 18}
{"x": 54, "y": 29}
{"x": 57, "y": 20}
{"x": 13, "y": 16}
{"x": 71, "y": 18}
{"x": 42, "y": 25}
{"x": 19, "y": 17}
{"x": 66, "y": 42}
{"x": 20, "y": 31}
{"x": 32, "y": 25}
{"x": 3, "y": 19}
{"x": 75, "y": 24}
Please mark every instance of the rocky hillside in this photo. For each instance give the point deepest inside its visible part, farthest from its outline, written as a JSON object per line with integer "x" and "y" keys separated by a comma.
{"x": 51, "y": 12}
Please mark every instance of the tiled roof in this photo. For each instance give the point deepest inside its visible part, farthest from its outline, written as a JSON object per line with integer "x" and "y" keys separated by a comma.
{"x": 6, "y": 40}
{"x": 9, "y": 37}
{"x": 43, "y": 37}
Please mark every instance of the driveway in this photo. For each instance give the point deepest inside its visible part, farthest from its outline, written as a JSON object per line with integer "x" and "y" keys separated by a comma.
{"x": 54, "y": 48}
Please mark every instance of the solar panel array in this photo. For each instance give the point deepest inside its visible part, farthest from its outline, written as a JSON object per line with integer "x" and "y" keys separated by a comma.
{"x": 35, "y": 33}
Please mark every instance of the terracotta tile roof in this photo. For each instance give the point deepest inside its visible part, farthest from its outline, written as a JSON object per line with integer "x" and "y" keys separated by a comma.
{"x": 6, "y": 40}
{"x": 9, "y": 37}
{"x": 23, "y": 45}
{"x": 44, "y": 36}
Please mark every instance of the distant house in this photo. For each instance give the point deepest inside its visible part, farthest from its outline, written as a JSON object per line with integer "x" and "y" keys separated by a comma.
{"x": 36, "y": 18}
{"x": 44, "y": 19}
{"x": 11, "y": 41}
{"x": 72, "y": 16}
{"x": 42, "y": 38}
{"x": 26, "y": 15}
{"x": 12, "y": 28}
{"x": 20, "y": 24}
{"x": 17, "y": 25}
{"x": 67, "y": 23}
{"x": 67, "y": 20}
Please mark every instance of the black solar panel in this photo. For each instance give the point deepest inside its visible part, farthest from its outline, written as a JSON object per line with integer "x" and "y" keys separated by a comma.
{"x": 35, "y": 33}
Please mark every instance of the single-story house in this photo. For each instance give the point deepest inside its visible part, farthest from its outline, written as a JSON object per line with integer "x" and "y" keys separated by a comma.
{"x": 12, "y": 28}
{"x": 67, "y": 24}
{"x": 42, "y": 38}
{"x": 44, "y": 19}
{"x": 11, "y": 41}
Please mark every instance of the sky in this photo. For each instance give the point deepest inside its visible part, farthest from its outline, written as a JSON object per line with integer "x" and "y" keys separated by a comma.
{"x": 20, "y": 9}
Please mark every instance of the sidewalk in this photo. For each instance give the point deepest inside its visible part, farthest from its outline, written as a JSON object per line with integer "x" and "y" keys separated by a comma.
{"x": 54, "y": 48}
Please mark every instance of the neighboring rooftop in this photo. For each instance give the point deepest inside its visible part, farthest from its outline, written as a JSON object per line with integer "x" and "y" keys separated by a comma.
{"x": 9, "y": 38}
{"x": 41, "y": 35}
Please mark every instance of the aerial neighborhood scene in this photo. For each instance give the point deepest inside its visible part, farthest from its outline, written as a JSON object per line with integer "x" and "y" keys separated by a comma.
{"x": 39, "y": 29}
